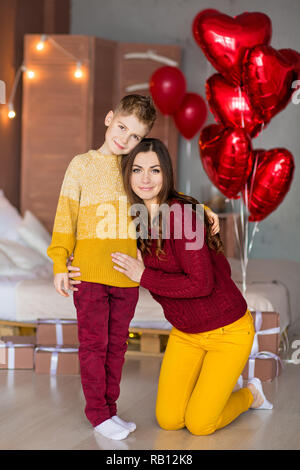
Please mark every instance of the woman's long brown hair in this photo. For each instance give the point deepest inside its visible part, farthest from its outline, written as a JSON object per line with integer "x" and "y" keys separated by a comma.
{"x": 165, "y": 196}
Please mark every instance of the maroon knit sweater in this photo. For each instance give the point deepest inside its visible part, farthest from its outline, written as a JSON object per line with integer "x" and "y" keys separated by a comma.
{"x": 194, "y": 287}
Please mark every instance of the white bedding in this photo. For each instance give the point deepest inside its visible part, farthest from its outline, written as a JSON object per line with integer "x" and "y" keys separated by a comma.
{"x": 27, "y": 292}
{"x": 8, "y": 298}
{"x": 30, "y": 299}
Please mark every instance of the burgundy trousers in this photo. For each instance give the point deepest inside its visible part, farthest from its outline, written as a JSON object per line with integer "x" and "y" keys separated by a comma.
{"x": 103, "y": 314}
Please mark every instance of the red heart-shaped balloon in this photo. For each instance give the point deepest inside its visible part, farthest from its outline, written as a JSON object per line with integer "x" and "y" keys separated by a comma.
{"x": 293, "y": 57}
{"x": 269, "y": 184}
{"x": 224, "y": 39}
{"x": 226, "y": 155}
{"x": 267, "y": 77}
{"x": 231, "y": 106}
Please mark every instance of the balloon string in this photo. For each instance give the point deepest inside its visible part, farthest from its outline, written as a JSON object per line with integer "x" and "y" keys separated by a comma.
{"x": 245, "y": 241}
{"x": 188, "y": 149}
{"x": 237, "y": 235}
{"x": 255, "y": 229}
{"x": 242, "y": 215}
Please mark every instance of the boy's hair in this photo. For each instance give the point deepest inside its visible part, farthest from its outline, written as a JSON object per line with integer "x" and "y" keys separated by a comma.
{"x": 139, "y": 105}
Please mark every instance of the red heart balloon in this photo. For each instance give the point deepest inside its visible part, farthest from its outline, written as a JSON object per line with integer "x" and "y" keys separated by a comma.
{"x": 191, "y": 115}
{"x": 231, "y": 106}
{"x": 293, "y": 57}
{"x": 224, "y": 39}
{"x": 226, "y": 155}
{"x": 271, "y": 181}
{"x": 167, "y": 87}
{"x": 267, "y": 77}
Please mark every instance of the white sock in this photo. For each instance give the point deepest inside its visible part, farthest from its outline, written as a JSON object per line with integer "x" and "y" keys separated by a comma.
{"x": 266, "y": 405}
{"x": 112, "y": 430}
{"x": 126, "y": 424}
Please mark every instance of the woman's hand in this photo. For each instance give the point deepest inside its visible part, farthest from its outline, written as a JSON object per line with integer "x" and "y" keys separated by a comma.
{"x": 131, "y": 267}
{"x": 73, "y": 272}
{"x": 214, "y": 219}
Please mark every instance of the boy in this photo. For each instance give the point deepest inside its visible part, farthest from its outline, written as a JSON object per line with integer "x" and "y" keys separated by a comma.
{"x": 105, "y": 301}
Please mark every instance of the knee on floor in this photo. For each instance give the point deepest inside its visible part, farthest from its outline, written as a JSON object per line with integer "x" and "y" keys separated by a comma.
{"x": 169, "y": 422}
{"x": 200, "y": 429}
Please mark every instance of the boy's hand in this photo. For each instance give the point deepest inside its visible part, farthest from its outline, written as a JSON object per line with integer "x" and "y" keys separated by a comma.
{"x": 73, "y": 272}
{"x": 62, "y": 284}
{"x": 214, "y": 219}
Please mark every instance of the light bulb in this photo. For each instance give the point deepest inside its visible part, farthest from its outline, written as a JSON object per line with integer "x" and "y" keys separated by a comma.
{"x": 78, "y": 72}
{"x": 30, "y": 73}
{"x": 11, "y": 114}
{"x": 40, "y": 45}
{"x": 11, "y": 111}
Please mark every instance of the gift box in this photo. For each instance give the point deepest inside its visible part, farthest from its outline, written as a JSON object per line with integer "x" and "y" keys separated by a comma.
{"x": 267, "y": 332}
{"x": 17, "y": 352}
{"x": 56, "y": 360}
{"x": 57, "y": 331}
{"x": 263, "y": 365}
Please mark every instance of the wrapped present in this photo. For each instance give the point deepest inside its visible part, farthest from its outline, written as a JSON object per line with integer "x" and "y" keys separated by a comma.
{"x": 267, "y": 332}
{"x": 263, "y": 365}
{"x": 56, "y": 360}
{"x": 56, "y": 331}
{"x": 17, "y": 352}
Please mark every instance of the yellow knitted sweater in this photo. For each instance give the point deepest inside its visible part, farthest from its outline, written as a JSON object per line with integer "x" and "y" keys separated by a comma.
{"x": 92, "y": 220}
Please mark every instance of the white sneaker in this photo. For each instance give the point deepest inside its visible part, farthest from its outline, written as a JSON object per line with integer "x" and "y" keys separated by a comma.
{"x": 266, "y": 405}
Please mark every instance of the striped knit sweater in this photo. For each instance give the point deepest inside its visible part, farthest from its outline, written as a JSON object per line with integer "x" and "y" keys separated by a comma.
{"x": 92, "y": 220}
{"x": 193, "y": 286}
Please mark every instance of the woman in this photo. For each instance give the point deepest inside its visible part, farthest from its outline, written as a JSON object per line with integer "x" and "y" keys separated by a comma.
{"x": 213, "y": 331}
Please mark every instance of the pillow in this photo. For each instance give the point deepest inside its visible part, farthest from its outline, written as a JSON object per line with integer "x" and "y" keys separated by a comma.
{"x": 34, "y": 234}
{"x": 8, "y": 267}
{"x": 23, "y": 257}
{"x": 10, "y": 219}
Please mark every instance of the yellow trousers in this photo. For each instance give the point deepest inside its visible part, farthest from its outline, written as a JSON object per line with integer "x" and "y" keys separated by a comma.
{"x": 198, "y": 375}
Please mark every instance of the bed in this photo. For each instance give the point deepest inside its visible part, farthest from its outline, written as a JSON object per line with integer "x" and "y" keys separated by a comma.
{"x": 27, "y": 300}
{"x": 27, "y": 292}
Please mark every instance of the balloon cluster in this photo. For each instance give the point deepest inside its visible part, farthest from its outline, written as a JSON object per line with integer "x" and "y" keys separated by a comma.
{"x": 254, "y": 83}
{"x": 168, "y": 90}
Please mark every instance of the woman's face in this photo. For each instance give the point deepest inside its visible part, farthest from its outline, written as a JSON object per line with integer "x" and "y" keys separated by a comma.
{"x": 146, "y": 176}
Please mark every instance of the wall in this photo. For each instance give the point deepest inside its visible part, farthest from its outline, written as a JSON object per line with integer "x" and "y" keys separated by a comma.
{"x": 18, "y": 17}
{"x": 169, "y": 22}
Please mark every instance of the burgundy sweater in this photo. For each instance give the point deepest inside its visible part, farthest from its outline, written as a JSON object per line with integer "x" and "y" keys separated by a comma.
{"x": 194, "y": 287}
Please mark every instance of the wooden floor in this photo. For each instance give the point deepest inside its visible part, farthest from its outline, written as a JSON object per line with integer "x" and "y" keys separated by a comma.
{"x": 43, "y": 412}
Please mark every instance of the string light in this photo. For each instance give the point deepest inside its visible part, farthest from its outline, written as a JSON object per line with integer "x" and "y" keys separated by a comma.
{"x": 30, "y": 73}
{"x": 11, "y": 111}
{"x": 78, "y": 72}
{"x": 40, "y": 45}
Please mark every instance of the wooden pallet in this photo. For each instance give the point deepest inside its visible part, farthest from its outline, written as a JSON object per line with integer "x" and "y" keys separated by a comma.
{"x": 10, "y": 328}
{"x": 151, "y": 342}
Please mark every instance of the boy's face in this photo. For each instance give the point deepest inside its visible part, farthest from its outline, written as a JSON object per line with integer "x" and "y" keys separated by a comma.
{"x": 123, "y": 132}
